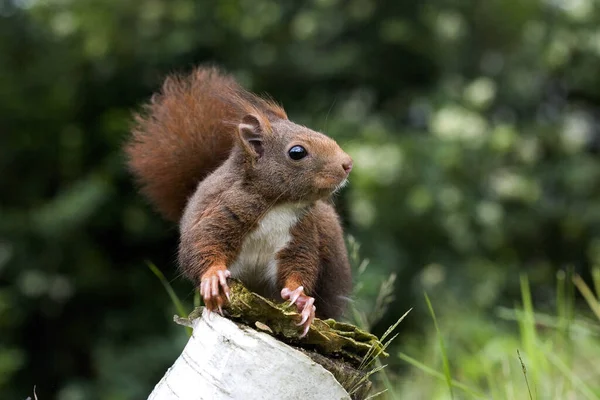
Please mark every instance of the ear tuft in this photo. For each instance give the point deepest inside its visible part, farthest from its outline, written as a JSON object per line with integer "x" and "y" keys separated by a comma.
{"x": 251, "y": 135}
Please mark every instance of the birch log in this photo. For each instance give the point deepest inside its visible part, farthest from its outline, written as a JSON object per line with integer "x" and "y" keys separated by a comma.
{"x": 224, "y": 361}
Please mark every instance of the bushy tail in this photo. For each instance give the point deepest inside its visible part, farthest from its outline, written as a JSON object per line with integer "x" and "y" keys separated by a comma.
{"x": 185, "y": 132}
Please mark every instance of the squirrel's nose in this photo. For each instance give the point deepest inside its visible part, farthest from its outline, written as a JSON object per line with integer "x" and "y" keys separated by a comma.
{"x": 347, "y": 165}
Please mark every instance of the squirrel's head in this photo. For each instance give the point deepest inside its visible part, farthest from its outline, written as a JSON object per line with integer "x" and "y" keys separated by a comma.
{"x": 290, "y": 162}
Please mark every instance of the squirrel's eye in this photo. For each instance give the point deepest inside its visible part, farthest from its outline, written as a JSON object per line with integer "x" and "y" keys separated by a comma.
{"x": 297, "y": 153}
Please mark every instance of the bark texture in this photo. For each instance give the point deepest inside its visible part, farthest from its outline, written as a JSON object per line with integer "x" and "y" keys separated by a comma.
{"x": 224, "y": 360}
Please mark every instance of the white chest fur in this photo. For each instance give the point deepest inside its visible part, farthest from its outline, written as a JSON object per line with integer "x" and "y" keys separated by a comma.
{"x": 256, "y": 264}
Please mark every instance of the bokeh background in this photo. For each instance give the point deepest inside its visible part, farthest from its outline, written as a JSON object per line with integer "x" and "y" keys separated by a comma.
{"x": 475, "y": 131}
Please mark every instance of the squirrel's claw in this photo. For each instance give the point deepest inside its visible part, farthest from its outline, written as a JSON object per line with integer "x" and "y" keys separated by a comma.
{"x": 308, "y": 315}
{"x": 305, "y": 305}
{"x": 214, "y": 290}
{"x": 223, "y": 275}
{"x": 311, "y": 316}
{"x": 292, "y": 295}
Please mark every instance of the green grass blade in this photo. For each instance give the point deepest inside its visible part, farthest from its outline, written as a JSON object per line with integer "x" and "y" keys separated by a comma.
{"x": 490, "y": 377}
{"x": 359, "y": 318}
{"x": 356, "y": 386}
{"x": 371, "y": 355}
{"x": 524, "y": 369}
{"x": 570, "y": 324}
{"x": 576, "y": 382}
{"x": 561, "y": 303}
{"x": 528, "y": 330}
{"x": 174, "y": 299}
{"x": 387, "y": 382}
{"x": 432, "y": 372}
{"x": 587, "y": 294}
{"x": 582, "y": 326}
{"x": 376, "y": 394}
{"x": 596, "y": 279}
{"x": 570, "y": 298}
{"x": 391, "y": 328}
{"x": 442, "y": 348}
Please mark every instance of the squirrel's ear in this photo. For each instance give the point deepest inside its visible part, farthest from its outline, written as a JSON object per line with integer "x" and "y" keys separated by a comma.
{"x": 250, "y": 132}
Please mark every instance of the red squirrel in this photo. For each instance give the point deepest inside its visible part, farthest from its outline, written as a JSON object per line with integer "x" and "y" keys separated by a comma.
{"x": 250, "y": 190}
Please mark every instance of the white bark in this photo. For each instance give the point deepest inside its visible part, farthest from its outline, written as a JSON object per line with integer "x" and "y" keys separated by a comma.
{"x": 224, "y": 361}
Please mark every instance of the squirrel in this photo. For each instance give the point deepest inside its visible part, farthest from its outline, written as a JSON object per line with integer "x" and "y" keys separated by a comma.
{"x": 250, "y": 190}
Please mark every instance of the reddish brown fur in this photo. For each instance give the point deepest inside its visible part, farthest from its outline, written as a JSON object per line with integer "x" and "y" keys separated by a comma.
{"x": 215, "y": 155}
{"x": 316, "y": 259}
{"x": 186, "y": 131}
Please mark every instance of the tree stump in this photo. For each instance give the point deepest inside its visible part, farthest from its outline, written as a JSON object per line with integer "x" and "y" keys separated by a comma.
{"x": 255, "y": 353}
{"x": 224, "y": 360}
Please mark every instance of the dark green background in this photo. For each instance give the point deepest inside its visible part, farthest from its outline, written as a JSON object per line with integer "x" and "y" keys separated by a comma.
{"x": 474, "y": 128}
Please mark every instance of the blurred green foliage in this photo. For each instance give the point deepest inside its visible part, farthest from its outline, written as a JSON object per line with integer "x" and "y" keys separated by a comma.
{"x": 474, "y": 127}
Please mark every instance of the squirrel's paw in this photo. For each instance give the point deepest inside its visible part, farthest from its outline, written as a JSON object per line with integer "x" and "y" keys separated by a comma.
{"x": 305, "y": 306}
{"x": 214, "y": 289}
